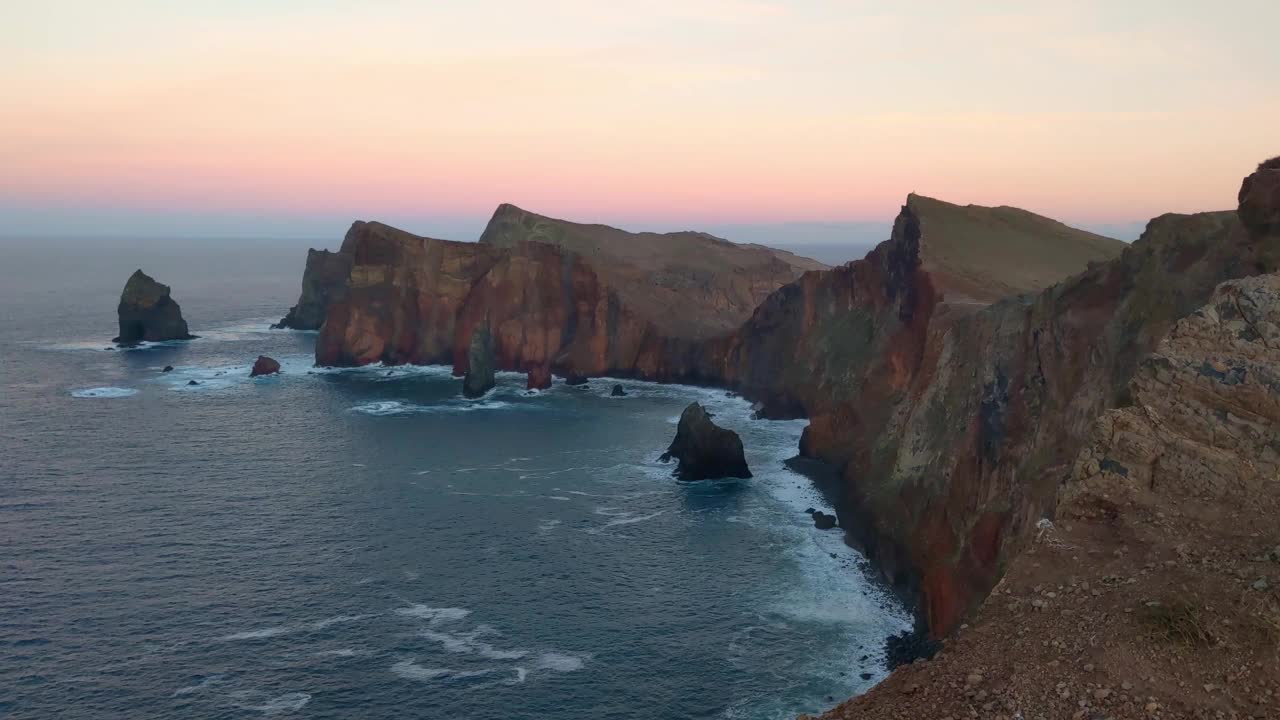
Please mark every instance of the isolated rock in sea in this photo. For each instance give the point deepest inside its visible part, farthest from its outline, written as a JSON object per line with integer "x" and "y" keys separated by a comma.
{"x": 704, "y": 450}
{"x": 823, "y": 521}
{"x": 192, "y": 382}
{"x": 167, "y": 368}
{"x": 618, "y": 391}
{"x": 575, "y": 380}
{"x": 539, "y": 378}
{"x": 147, "y": 313}
{"x": 264, "y": 366}
{"x": 323, "y": 282}
{"x": 480, "y": 371}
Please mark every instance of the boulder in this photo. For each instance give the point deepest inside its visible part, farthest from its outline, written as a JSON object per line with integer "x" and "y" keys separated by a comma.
{"x": 264, "y": 366}
{"x": 704, "y": 450}
{"x": 147, "y": 313}
{"x": 618, "y": 391}
{"x": 192, "y": 382}
{"x": 575, "y": 380}
{"x": 823, "y": 521}
{"x": 480, "y": 364}
{"x": 167, "y": 368}
{"x": 539, "y": 378}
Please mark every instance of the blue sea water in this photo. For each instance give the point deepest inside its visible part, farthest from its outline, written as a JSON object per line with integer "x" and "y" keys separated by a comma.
{"x": 367, "y": 544}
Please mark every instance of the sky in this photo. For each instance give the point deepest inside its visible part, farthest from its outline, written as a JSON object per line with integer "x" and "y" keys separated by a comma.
{"x": 289, "y": 118}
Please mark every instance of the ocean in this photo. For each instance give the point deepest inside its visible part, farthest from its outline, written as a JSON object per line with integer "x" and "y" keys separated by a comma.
{"x": 367, "y": 544}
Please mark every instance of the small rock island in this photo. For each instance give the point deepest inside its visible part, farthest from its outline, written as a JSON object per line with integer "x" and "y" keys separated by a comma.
{"x": 148, "y": 314}
{"x": 704, "y": 450}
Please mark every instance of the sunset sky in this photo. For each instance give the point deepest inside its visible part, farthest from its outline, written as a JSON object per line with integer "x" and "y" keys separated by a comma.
{"x": 290, "y": 117}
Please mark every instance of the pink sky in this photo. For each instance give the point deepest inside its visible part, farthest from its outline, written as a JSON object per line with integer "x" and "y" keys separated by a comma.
{"x": 680, "y": 111}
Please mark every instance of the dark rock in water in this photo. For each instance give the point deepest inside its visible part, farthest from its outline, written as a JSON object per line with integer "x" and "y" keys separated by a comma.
{"x": 809, "y": 511}
{"x": 192, "y": 382}
{"x": 618, "y": 391}
{"x": 575, "y": 380}
{"x": 823, "y": 521}
{"x": 323, "y": 282}
{"x": 147, "y": 313}
{"x": 705, "y": 450}
{"x": 539, "y": 378}
{"x": 167, "y": 368}
{"x": 264, "y": 366}
{"x": 866, "y": 676}
{"x": 480, "y": 363}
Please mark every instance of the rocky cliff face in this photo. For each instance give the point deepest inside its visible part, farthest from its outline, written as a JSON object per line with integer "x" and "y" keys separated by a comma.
{"x": 955, "y": 425}
{"x": 324, "y": 282}
{"x": 1153, "y": 592}
{"x": 147, "y": 313}
{"x": 614, "y": 310}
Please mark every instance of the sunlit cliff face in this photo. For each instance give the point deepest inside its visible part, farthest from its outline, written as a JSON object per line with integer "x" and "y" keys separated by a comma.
{"x": 699, "y": 110}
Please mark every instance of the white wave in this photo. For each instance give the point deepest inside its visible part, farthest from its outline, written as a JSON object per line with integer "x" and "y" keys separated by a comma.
{"x": 104, "y": 392}
{"x": 289, "y": 702}
{"x": 434, "y": 615}
{"x": 626, "y": 519}
{"x": 386, "y": 407}
{"x": 469, "y": 642}
{"x": 559, "y": 662}
{"x": 521, "y": 674}
{"x": 256, "y": 634}
{"x": 548, "y": 525}
{"x": 337, "y": 619}
{"x": 410, "y": 670}
{"x": 200, "y": 686}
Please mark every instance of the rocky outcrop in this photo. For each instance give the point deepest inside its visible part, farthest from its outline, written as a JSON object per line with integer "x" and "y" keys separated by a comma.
{"x": 324, "y": 282}
{"x": 264, "y": 366}
{"x": 480, "y": 373}
{"x": 618, "y": 391}
{"x": 147, "y": 313}
{"x": 704, "y": 450}
{"x": 561, "y": 297}
{"x": 1203, "y": 411}
{"x": 539, "y": 377}
{"x": 823, "y": 521}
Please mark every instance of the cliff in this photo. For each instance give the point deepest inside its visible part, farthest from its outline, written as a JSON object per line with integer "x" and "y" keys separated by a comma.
{"x": 955, "y": 424}
{"x": 1155, "y": 591}
{"x": 617, "y": 307}
{"x": 324, "y": 282}
{"x": 147, "y": 312}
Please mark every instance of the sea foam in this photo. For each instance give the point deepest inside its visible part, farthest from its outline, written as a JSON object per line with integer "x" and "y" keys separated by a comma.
{"x": 104, "y": 392}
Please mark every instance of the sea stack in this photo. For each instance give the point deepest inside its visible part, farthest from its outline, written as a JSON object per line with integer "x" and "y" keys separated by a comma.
{"x": 147, "y": 313}
{"x": 704, "y": 450}
{"x": 264, "y": 366}
{"x": 480, "y": 365}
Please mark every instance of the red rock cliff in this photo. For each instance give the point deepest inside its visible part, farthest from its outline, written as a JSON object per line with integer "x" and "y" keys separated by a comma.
{"x": 954, "y": 422}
